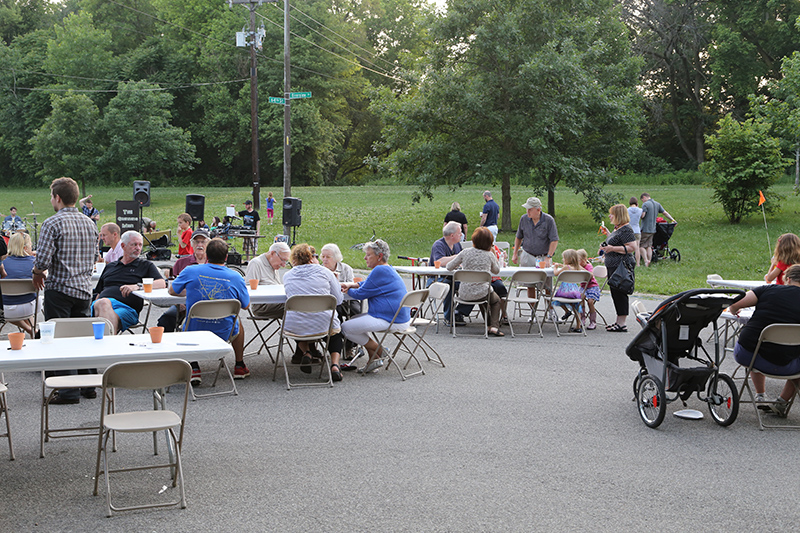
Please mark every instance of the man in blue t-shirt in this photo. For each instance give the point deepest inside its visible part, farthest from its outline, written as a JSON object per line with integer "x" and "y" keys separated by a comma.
{"x": 490, "y": 213}
{"x": 215, "y": 281}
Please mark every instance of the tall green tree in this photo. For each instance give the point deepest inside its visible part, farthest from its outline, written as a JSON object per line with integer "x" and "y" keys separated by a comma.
{"x": 528, "y": 91}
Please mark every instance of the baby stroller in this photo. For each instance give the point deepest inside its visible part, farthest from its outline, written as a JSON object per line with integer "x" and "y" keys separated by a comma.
{"x": 661, "y": 242}
{"x": 668, "y": 349}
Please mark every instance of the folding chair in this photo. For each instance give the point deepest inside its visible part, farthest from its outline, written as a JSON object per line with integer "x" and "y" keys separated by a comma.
{"x": 437, "y": 292}
{"x": 521, "y": 280}
{"x": 144, "y": 376}
{"x": 69, "y": 327}
{"x": 262, "y": 324}
{"x": 601, "y": 272}
{"x": 471, "y": 276}
{"x": 785, "y": 335}
{"x": 306, "y": 303}
{"x": 412, "y": 299}
{"x": 4, "y": 412}
{"x": 21, "y": 287}
{"x": 579, "y": 277}
{"x": 215, "y": 310}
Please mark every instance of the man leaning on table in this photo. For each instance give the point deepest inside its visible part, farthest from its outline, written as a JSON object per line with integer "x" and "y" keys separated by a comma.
{"x": 265, "y": 268}
{"x": 65, "y": 254}
{"x": 115, "y": 299}
{"x": 444, "y": 250}
{"x": 170, "y": 319}
{"x": 215, "y": 281}
{"x": 537, "y": 236}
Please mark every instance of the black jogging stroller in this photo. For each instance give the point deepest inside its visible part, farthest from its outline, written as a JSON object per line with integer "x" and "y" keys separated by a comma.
{"x": 661, "y": 249}
{"x": 672, "y": 357}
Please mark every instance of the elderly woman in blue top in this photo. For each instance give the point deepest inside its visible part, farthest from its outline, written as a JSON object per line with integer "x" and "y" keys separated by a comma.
{"x": 384, "y": 290}
{"x": 306, "y": 277}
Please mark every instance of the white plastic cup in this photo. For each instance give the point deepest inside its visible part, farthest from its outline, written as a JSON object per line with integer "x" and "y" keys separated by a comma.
{"x": 47, "y": 331}
{"x": 147, "y": 284}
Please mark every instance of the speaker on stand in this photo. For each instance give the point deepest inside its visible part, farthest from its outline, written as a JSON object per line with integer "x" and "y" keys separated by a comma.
{"x": 195, "y": 207}
{"x": 291, "y": 214}
{"x": 141, "y": 193}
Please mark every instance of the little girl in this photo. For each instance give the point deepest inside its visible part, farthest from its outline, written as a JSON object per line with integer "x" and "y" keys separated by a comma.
{"x": 592, "y": 289}
{"x": 787, "y": 253}
{"x": 567, "y": 290}
{"x": 270, "y": 208}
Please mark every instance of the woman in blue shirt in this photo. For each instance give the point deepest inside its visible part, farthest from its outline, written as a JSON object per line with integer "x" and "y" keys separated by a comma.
{"x": 19, "y": 265}
{"x": 384, "y": 289}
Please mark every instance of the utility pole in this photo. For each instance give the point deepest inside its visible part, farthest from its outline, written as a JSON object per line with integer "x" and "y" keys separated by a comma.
{"x": 287, "y": 110}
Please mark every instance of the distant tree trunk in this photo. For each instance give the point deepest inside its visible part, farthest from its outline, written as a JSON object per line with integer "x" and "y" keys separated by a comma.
{"x": 505, "y": 187}
{"x": 797, "y": 167}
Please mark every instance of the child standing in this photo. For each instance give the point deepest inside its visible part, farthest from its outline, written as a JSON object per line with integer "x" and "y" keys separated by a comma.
{"x": 185, "y": 234}
{"x": 270, "y": 208}
{"x": 592, "y": 289}
{"x": 787, "y": 253}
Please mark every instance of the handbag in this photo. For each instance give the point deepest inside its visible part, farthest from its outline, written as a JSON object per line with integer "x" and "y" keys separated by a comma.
{"x": 622, "y": 278}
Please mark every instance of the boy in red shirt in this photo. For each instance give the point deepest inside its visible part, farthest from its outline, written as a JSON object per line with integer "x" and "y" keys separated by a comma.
{"x": 185, "y": 234}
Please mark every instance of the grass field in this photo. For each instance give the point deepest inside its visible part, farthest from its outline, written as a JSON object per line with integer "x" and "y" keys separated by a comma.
{"x": 347, "y": 215}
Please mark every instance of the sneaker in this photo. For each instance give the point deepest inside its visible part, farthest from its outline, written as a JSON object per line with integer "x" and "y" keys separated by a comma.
{"x": 372, "y": 366}
{"x": 240, "y": 371}
{"x": 196, "y": 379}
{"x": 592, "y": 325}
{"x": 780, "y": 407}
{"x": 761, "y": 397}
{"x": 460, "y": 319}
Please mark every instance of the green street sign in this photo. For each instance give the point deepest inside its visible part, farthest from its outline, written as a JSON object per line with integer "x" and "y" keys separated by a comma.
{"x": 276, "y": 100}
{"x": 299, "y": 95}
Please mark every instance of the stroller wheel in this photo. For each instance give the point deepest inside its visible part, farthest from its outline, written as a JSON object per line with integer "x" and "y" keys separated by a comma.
{"x": 723, "y": 400}
{"x": 636, "y": 381}
{"x": 675, "y": 255}
{"x": 651, "y": 400}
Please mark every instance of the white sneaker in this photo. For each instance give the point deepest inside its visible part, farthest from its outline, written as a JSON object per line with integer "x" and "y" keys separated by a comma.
{"x": 372, "y": 366}
{"x": 761, "y": 397}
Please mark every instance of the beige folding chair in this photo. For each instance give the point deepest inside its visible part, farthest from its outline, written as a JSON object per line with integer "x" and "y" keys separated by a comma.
{"x": 144, "y": 376}
{"x": 518, "y": 297}
{"x": 21, "y": 287}
{"x": 471, "y": 276}
{"x": 601, "y": 272}
{"x": 785, "y": 335}
{"x": 437, "y": 292}
{"x": 412, "y": 299}
{"x": 306, "y": 303}
{"x": 65, "y": 328}
{"x": 503, "y": 245}
{"x": 579, "y": 277}
{"x": 262, "y": 324}
{"x": 215, "y": 310}
{"x": 4, "y": 412}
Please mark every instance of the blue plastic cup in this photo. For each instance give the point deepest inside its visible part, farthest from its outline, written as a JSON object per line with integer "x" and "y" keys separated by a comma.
{"x": 99, "y": 328}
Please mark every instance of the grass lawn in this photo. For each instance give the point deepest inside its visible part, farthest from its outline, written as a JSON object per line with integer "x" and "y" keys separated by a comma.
{"x": 348, "y": 215}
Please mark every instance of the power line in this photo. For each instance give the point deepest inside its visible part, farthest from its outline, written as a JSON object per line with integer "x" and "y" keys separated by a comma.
{"x": 154, "y": 89}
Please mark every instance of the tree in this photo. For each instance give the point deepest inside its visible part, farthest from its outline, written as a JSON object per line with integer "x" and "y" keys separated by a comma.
{"x": 528, "y": 91}
{"x": 743, "y": 160}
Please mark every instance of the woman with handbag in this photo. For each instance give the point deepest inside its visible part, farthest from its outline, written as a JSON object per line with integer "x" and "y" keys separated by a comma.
{"x": 617, "y": 251}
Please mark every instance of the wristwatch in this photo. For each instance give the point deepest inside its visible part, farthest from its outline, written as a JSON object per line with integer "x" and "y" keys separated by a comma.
{"x": 549, "y": 256}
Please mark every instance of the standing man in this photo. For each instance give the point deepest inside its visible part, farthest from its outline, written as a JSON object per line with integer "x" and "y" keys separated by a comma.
{"x": 215, "y": 281}
{"x": 67, "y": 250}
{"x": 650, "y": 211}
{"x": 538, "y": 237}
{"x": 444, "y": 250}
{"x": 88, "y": 209}
{"x": 265, "y": 268}
{"x": 490, "y": 213}
{"x": 250, "y": 220}
{"x": 109, "y": 234}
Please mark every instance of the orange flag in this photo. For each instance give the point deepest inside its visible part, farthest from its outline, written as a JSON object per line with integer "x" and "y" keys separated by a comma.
{"x": 761, "y": 198}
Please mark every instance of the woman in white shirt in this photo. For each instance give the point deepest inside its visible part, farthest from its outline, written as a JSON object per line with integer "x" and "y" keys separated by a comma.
{"x": 635, "y": 214}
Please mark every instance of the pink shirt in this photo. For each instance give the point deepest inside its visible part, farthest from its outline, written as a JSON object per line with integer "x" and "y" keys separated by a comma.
{"x": 115, "y": 253}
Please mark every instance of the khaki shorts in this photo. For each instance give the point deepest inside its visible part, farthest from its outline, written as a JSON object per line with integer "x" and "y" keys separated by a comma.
{"x": 647, "y": 240}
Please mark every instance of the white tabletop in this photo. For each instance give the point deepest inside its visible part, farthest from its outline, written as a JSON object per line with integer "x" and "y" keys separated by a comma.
{"x": 736, "y": 283}
{"x": 264, "y": 294}
{"x": 505, "y": 272}
{"x": 86, "y": 352}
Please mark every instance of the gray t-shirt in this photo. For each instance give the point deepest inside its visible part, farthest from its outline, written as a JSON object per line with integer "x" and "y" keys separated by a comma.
{"x": 651, "y": 209}
{"x": 536, "y": 238}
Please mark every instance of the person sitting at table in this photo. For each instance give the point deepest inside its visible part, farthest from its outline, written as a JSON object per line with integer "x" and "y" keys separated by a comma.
{"x": 109, "y": 234}
{"x": 306, "y": 277}
{"x": 173, "y": 316}
{"x": 384, "y": 291}
{"x": 774, "y": 304}
{"x": 114, "y": 291}
{"x": 265, "y": 268}
{"x": 331, "y": 258}
{"x": 481, "y": 257}
{"x": 18, "y": 264}
{"x": 444, "y": 250}
{"x": 787, "y": 253}
{"x": 214, "y": 281}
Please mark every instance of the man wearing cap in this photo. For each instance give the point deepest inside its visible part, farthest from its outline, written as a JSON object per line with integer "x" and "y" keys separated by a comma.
{"x": 109, "y": 234}
{"x": 250, "y": 220}
{"x": 490, "y": 213}
{"x": 265, "y": 268}
{"x": 537, "y": 236}
{"x": 175, "y": 314}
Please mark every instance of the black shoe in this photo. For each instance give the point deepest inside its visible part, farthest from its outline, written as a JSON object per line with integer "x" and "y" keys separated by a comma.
{"x": 460, "y": 319}
{"x": 59, "y": 400}
{"x": 90, "y": 394}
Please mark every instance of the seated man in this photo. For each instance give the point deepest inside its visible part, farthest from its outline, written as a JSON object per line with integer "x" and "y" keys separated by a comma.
{"x": 444, "y": 250}
{"x": 174, "y": 315}
{"x": 215, "y": 281}
{"x": 115, "y": 299}
{"x": 265, "y": 268}
{"x": 109, "y": 234}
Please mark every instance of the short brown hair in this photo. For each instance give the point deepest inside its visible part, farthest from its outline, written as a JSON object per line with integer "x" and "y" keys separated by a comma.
{"x": 186, "y": 217}
{"x": 217, "y": 251}
{"x": 482, "y": 238}
{"x": 620, "y": 213}
{"x": 792, "y": 274}
{"x": 301, "y": 254}
{"x": 66, "y": 189}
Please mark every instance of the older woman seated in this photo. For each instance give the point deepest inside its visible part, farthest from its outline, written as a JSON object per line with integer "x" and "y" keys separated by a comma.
{"x": 306, "y": 277}
{"x": 480, "y": 257}
{"x": 384, "y": 290}
{"x": 18, "y": 265}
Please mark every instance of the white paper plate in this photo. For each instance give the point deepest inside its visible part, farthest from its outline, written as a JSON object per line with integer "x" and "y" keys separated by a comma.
{"x": 689, "y": 414}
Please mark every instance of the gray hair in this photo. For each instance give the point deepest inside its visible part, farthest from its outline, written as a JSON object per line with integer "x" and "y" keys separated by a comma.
{"x": 280, "y": 247}
{"x": 334, "y": 250}
{"x": 487, "y": 194}
{"x": 451, "y": 228}
{"x": 379, "y": 247}
{"x": 128, "y": 235}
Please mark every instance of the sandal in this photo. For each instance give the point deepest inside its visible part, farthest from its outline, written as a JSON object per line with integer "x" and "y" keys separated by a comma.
{"x": 617, "y": 328}
{"x": 305, "y": 363}
{"x": 336, "y": 375}
{"x": 496, "y": 332}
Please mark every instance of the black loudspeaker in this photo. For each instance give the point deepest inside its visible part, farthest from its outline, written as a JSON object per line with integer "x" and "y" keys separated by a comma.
{"x": 291, "y": 211}
{"x": 196, "y": 206}
{"x": 141, "y": 193}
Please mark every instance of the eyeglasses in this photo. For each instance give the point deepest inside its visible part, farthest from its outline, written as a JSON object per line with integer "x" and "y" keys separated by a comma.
{"x": 315, "y": 256}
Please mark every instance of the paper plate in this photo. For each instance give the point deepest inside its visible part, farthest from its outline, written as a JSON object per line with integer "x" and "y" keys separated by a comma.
{"x": 689, "y": 414}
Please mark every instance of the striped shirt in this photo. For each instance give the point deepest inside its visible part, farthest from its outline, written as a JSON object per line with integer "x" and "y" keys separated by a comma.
{"x": 67, "y": 249}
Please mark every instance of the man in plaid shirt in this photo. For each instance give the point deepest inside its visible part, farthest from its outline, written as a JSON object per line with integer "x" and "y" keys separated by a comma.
{"x": 67, "y": 251}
